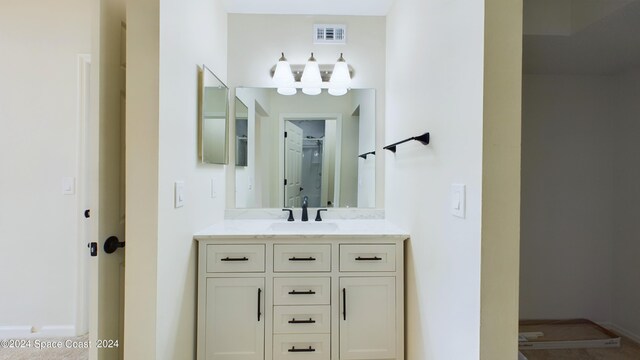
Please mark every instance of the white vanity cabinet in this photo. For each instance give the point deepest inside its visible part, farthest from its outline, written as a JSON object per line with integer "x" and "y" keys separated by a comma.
{"x": 234, "y": 324}
{"x": 304, "y": 297}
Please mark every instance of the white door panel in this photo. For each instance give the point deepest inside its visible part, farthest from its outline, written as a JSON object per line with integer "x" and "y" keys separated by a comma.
{"x": 293, "y": 165}
{"x": 367, "y": 318}
{"x": 234, "y": 319}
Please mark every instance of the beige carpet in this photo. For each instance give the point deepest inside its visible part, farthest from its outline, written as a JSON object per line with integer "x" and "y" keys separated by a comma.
{"x": 32, "y": 353}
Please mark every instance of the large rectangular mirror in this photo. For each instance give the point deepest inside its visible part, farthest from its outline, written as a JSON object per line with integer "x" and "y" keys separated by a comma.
{"x": 321, "y": 147}
{"x": 213, "y": 118}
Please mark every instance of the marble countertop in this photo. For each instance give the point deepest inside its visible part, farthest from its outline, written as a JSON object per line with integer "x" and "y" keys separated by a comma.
{"x": 282, "y": 228}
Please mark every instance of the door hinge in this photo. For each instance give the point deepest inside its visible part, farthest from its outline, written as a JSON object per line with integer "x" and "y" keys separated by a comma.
{"x": 285, "y": 134}
{"x": 87, "y": 213}
{"x": 285, "y": 181}
{"x": 93, "y": 248}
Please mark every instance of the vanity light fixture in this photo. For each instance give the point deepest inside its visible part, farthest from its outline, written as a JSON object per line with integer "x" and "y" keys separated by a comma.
{"x": 313, "y": 78}
{"x": 283, "y": 77}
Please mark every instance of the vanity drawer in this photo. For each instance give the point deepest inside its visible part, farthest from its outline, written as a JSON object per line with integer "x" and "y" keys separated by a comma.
{"x": 302, "y": 346}
{"x": 301, "y": 291}
{"x": 302, "y": 319}
{"x": 235, "y": 258}
{"x": 371, "y": 257}
{"x": 301, "y": 258}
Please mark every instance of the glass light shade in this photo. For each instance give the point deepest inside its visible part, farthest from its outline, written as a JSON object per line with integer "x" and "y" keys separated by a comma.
{"x": 340, "y": 77}
{"x": 311, "y": 80}
{"x": 337, "y": 91}
{"x": 287, "y": 91}
{"x": 283, "y": 77}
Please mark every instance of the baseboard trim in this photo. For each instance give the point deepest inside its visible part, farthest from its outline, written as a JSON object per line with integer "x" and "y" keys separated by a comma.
{"x": 622, "y": 331}
{"x": 48, "y": 331}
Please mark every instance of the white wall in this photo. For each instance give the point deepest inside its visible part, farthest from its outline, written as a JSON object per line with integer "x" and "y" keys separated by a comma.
{"x": 191, "y": 33}
{"x": 252, "y": 56}
{"x": 626, "y": 246}
{"x": 567, "y": 197}
{"x": 435, "y": 53}
{"x": 38, "y": 147}
{"x": 187, "y": 34}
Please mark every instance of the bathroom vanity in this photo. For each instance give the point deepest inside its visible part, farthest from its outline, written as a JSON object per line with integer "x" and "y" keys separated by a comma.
{"x": 276, "y": 290}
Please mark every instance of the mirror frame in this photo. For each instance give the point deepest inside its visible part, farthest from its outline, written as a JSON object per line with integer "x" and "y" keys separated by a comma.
{"x": 201, "y": 142}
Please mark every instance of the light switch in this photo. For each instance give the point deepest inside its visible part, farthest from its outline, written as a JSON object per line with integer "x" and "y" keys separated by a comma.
{"x": 68, "y": 186}
{"x": 213, "y": 188}
{"x": 458, "y": 200}
{"x": 179, "y": 194}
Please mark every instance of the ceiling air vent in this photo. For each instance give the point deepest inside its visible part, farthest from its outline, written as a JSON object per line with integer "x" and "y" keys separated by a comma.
{"x": 329, "y": 34}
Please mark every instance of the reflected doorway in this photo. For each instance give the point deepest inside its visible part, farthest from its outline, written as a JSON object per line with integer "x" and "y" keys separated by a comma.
{"x": 310, "y": 162}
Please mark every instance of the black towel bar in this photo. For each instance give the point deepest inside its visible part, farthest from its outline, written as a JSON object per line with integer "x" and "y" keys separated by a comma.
{"x": 364, "y": 156}
{"x": 424, "y": 139}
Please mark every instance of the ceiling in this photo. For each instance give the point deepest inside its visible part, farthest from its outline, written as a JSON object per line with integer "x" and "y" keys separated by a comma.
{"x": 310, "y": 7}
{"x": 608, "y": 45}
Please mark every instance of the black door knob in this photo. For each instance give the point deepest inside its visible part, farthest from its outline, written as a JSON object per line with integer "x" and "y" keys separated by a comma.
{"x": 112, "y": 244}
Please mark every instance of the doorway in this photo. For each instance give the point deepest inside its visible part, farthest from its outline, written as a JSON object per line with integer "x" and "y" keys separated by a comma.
{"x": 310, "y": 162}
{"x": 579, "y": 190}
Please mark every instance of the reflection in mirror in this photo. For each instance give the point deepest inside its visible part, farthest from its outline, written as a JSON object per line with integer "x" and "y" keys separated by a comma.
{"x": 213, "y": 118}
{"x": 307, "y": 146}
{"x": 242, "y": 132}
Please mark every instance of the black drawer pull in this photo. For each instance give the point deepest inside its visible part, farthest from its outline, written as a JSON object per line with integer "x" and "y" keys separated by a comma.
{"x": 294, "y": 292}
{"x": 359, "y": 258}
{"x": 259, "y": 301}
{"x": 294, "y": 321}
{"x": 344, "y": 303}
{"x": 293, "y": 349}
{"x": 302, "y": 259}
{"x": 235, "y": 259}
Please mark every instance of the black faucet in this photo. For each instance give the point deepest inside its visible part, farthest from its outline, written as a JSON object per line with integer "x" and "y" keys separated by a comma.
{"x": 305, "y": 203}
{"x": 290, "y": 214}
{"x": 318, "y": 217}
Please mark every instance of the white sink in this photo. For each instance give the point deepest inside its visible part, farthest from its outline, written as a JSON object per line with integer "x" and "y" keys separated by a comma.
{"x": 304, "y": 227}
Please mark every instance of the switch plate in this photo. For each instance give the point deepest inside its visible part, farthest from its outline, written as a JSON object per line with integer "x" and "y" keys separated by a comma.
{"x": 458, "y": 200}
{"x": 213, "y": 188}
{"x": 179, "y": 194}
{"x": 68, "y": 186}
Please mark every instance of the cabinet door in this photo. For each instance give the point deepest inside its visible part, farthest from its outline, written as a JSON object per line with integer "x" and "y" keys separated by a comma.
{"x": 234, "y": 319}
{"x": 367, "y": 318}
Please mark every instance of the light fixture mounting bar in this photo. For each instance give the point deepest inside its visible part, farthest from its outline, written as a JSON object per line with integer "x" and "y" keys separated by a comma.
{"x": 325, "y": 71}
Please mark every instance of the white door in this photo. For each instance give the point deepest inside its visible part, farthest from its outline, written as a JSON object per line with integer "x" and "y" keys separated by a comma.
{"x": 293, "y": 165}
{"x": 105, "y": 187}
{"x": 367, "y": 318}
{"x": 234, "y": 326}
